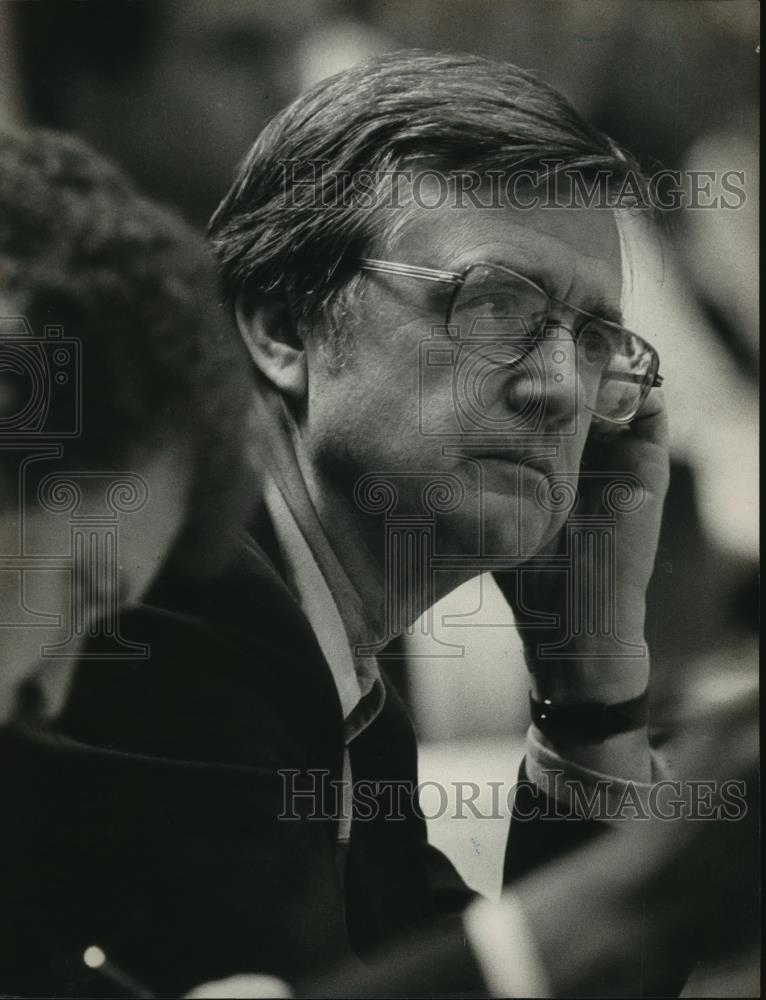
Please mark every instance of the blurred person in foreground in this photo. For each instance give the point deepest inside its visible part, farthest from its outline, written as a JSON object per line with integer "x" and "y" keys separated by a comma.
{"x": 276, "y": 826}
{"x": 122, "y": 402}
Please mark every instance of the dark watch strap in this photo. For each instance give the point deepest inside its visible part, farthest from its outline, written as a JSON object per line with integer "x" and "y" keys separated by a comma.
{"x": 589, "y": 722}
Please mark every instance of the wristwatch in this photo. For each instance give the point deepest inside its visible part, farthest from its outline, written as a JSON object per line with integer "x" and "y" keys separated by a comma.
{"x": 589, "y": 722}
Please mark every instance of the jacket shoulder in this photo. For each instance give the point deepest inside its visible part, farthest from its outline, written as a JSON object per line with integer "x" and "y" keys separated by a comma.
{"x": 227, "y": 672}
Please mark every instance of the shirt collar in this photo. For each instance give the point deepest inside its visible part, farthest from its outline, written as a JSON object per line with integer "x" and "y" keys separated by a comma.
{"x": 357, "y": 678}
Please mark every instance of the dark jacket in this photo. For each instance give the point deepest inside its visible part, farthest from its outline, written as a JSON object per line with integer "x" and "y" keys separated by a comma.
{"x": 149, "y": 820}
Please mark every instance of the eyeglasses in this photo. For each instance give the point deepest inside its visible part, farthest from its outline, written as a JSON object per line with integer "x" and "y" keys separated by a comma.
{"x": 623, "y": 366}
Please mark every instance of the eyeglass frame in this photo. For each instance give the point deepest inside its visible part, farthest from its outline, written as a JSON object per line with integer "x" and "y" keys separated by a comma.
{"x": 458, "y": 278}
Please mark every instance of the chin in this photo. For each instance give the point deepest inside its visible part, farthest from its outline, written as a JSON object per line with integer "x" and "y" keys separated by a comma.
{"x": 509, "y": 528}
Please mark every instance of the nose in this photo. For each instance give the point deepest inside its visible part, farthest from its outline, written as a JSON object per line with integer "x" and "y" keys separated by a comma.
{"x": 548, "y": 378}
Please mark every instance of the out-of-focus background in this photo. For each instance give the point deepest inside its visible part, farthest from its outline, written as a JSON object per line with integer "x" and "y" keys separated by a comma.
{"x": 176, "y": 90}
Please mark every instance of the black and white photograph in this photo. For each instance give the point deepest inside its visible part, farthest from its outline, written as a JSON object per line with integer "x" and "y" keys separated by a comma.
{"x": 379, "y": 499}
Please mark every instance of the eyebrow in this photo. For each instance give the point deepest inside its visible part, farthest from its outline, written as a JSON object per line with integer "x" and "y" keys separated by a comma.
{"x": 595, "y": 305}
{"x": 526, "y": 271}
{"x": 603, "y": 310}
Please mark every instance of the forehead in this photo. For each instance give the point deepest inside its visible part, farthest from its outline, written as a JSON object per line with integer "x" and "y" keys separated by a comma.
{"x": 576, "y": 250}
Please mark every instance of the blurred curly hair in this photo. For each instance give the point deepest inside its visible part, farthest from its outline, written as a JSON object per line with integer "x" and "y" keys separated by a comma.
{"x": 82, "y": 250}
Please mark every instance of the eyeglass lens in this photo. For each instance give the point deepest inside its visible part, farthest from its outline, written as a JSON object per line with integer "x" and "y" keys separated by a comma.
{"x": 616, "y": 364}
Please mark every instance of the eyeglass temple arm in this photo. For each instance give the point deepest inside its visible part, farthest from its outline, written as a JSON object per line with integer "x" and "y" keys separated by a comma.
{"x": 454, "y": 278}
{"x": 630, "y": 377}
{"x": 410, "y": 270}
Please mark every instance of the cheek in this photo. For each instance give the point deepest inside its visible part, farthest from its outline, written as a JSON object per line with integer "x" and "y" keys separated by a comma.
{"x": 366, "y": 413}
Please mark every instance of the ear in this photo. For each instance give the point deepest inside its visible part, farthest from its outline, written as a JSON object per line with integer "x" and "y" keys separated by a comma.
{"x": 271, "y": 332}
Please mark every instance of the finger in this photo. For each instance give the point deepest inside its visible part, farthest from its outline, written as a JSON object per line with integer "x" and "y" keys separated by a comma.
{"x": 651, "y": 422}
{"x": 640, "y": 448}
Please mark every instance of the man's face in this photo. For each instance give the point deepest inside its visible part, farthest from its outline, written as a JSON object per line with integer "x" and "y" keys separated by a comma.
{"x": 414, "y": 404}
